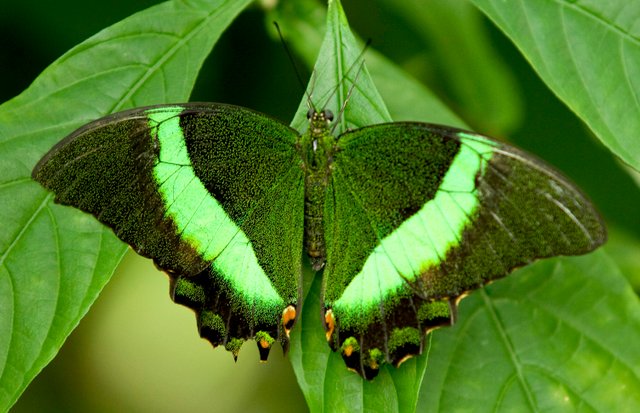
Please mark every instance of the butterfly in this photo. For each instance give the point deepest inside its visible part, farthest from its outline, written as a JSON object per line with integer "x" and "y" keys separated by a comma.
{"x": 402, "y": 218}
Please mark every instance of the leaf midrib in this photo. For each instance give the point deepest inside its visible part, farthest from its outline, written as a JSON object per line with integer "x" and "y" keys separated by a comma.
{"x": 508, "y": 345}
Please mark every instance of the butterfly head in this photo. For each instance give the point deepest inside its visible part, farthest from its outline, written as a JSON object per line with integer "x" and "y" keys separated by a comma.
{"x": 319, "y": 120}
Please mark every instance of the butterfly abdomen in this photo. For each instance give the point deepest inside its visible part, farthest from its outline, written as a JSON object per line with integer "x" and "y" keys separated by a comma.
{"x": 316, "y": 185}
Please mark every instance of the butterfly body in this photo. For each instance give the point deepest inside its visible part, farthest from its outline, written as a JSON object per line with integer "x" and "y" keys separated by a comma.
{"x": 316, "y": 146}
{"x": 403, "y": 218}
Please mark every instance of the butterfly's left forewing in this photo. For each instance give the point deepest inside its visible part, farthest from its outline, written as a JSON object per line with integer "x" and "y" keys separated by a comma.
{"x": 212, "y": 193}
{"x": 417, "y": 215}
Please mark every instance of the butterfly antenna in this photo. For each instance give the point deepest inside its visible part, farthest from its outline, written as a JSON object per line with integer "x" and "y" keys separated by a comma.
{"x": 295, "y": 67}
{"x": 347, "y": 98}
{"x": 359, "y": 62}
{"x": 312, "y": 87}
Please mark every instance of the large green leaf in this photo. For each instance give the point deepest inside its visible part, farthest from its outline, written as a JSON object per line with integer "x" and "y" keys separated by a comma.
{"x": 588, "y": 53}
{"x": 558, "y": 335}
{"x": 54, "y": 260}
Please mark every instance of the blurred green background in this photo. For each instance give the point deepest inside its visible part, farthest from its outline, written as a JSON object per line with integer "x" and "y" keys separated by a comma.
{"x": 136, "y": 350}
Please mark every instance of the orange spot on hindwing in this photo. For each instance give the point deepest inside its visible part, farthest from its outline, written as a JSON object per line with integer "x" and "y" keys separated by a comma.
{"x": 329, "y": 324}
{"x": 288, "y": 319}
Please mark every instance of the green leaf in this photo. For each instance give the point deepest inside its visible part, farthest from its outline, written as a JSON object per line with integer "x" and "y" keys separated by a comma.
{"x": 303, "y": 23}
{"x": 588, "y": 53}
{"x": 326, "y": 383}
{"x": 339, "y": 77}
{"x": 557, "y": 335}
{"x": 54, "y": 261}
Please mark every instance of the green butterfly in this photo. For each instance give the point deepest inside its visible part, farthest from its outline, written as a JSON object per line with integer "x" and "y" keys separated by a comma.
{"x": 403, "y": 218}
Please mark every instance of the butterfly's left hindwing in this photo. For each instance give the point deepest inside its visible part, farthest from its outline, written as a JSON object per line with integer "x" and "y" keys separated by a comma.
{"x": 212, "y": 193}
{"x": 417, "y": 215}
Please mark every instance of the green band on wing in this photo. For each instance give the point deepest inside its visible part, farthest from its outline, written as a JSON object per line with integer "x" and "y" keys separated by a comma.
{"x": 433, "y": 230}
{"x": 201, "y": 220}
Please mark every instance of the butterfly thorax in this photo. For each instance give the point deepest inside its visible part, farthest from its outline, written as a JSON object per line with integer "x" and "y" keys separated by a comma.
{"x": 317, "y": 146}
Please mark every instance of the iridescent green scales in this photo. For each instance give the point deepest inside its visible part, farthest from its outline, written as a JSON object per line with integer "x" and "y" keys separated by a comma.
{"x": 433, "y": 231}
{"x": 403, "y": 219}
{"x": 201, "y": 219}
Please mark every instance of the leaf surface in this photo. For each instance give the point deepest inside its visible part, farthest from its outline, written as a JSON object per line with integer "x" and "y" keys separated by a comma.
{"x": 54, "y": 260}
{"x": 553, "y": 336}
{"x": 588, "y": 53}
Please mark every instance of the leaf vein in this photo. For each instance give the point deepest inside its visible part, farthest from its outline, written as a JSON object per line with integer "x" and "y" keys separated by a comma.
{"x": 509, "y": 347}
{"x": 600, "y": 19}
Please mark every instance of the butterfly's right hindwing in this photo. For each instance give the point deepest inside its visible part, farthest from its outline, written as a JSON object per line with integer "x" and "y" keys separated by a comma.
{"x": 212, "y": 193}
